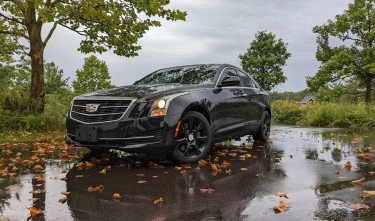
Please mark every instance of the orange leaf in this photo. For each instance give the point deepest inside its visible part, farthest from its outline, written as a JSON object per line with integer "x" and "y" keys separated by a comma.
{"x": 140, "y": 174}
{"x": 79, "y": 176}
{"x": 280, "y": 194}
{"x": 63, "y": 200}
{"x": 88, "y": 164}
{"x": 158, "y": 201}
{"x": 116, "y": 196}
{"x": 357, "y": 182}
{"x": 103, "y": 172}
{"x": 348, "y": 164}
{"x": 209, "y": 190}
{"x": 141, "y": 181}
{"x": 34, "y": 211}
{"x": 281, "y": 208}
{"x": 214, "y": 167}
{"x": 357, "y": 206}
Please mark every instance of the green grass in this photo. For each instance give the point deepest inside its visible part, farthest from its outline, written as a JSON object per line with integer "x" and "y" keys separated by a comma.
{"x": 324, "y": 114}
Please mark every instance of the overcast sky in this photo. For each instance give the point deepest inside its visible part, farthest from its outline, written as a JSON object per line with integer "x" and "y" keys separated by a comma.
{"x": 216, "y": 31}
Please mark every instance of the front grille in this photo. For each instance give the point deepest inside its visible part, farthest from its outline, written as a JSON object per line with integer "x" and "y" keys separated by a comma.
{"x": 108, "y": 110}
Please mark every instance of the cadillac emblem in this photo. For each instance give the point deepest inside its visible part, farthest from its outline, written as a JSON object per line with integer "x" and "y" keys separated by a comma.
{"x": 91, "y": 108}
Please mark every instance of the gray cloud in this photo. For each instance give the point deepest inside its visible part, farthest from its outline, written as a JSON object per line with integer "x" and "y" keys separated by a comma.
{"x": 216, "y": 31}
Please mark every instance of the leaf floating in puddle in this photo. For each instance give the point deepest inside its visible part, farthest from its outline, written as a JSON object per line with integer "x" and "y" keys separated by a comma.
{"x": 158, "y": 201}
{"x": 65, "y": 193}
{"x": 348, "y": 164}
{"x": 281, "y": 208}
{"x": 357, "y": 206}
{"x": 358, "y": 182}
{"x": 34, "y": 211}
{"x": 99, "y": 188}
{"x": 116, "y": 196}
{"x": 280, "y": 194}
{"x": 208, "y": 190}
{"x": 103, "y": 171}
{"x": 63, "y": 200}
{"x": 141, "y": 181}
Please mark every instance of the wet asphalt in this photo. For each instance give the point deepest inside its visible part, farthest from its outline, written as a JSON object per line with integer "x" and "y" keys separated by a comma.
{"x": 238, "y": 180}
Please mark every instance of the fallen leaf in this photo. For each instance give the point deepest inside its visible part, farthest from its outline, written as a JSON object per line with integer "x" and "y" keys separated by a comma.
{"x": 140, "y": 174}
{"x": 155, "y": 177}
{"x": 14, "y": 187}
{"x": 357, "y": 206}
{"x": 281, "y": 208}
{"x": 208, "y": 190}
{"x": 280, "y": 194}
{"x": 357, "y": 182}
{"x": 63, "y": 200}
{"x": 34, "y": 211}
{"x": 369, "y": 192}
{"x": 202, "y": 163}
{"x": 244, "y": 169}
{"x": 214, "y": 167}
{"x": 229, "y": 171}
{"x": 88, "y": 164}
{"x": 79, "y": 176}
{"x": 38, "y": 167}
{"x": 348, "y": 164}
{"x": 158, "y": 201}
{"x": 103, "y": 172}
{"x": 6, "y": 219}
{"x": 116, "y": 196}
{"x": 99, "y": 188}
{"x": 260, "y": 175}
{"x": 141, "y": 181}
{"x": 178, "y": 168}
{"x": 232, "y": 154}
{"x": 366, "y": 196}
{"x": 65, "y": 193}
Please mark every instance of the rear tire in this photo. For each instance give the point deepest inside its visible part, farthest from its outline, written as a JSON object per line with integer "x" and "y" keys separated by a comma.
{"x": 263, "y": 133}
{"x": 194, "y": 138}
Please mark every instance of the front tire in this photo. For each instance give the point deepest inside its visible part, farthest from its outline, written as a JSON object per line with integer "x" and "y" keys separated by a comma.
{"x": 264, "y": 130}
{"x": 193, "y": 139}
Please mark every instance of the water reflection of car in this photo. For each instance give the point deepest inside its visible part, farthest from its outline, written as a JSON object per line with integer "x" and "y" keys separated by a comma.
{"x": 180, "y": 110}
{"x": 180, "y": 191}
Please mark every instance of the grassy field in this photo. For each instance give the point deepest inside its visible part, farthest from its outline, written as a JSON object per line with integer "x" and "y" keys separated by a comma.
{"x": 324, "y": 114}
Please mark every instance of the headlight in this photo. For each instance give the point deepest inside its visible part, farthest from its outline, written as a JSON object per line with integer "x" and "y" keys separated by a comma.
{"x": 160, "y": 106}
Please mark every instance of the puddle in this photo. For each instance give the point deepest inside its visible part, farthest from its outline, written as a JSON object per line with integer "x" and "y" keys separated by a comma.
{"x": 305, "y": 163}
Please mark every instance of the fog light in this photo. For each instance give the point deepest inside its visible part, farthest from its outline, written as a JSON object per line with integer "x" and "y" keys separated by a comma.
{"x": 157, "y": 113}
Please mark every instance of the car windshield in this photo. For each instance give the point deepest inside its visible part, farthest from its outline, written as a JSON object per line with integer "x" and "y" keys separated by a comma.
{"x": 198, "y": 74}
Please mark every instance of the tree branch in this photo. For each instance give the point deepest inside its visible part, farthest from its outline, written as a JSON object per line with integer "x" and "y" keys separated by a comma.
{"x": 50, "y": 34}
{"x": 19, "y": 5}
{"x": 78, "y": 32}
{"x": 12, "y": 19}
{"x": 15, "y": 34}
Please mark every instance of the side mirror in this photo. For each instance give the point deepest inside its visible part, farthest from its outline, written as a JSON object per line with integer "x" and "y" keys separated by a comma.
{"x": 230, "y": 81}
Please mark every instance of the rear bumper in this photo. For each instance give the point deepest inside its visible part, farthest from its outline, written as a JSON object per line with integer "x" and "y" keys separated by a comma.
{"x": 142, "y": 135}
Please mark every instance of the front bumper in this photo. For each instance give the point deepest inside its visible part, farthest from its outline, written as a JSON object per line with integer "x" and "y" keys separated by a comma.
{"x": 141, "y": 135}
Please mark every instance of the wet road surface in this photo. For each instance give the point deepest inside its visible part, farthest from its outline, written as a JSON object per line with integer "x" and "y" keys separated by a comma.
{"x": 237, "y": 181}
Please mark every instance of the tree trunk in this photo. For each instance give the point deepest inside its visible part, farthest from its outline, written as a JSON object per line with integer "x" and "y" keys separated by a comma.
{"x": 37, "y": 67}
{"x": 369, "y": 90}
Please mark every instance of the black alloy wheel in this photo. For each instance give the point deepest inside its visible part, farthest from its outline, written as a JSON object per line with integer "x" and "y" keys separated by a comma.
{"x": 193, "y": 139}
{"x": 264, "y": 131}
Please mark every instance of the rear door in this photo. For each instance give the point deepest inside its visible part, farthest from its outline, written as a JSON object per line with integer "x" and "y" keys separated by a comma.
{"x": 254, "y": 104}
{"x": 228, "y": 112}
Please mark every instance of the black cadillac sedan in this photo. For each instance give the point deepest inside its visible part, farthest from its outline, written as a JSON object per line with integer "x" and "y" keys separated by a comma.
{"x": 179, "y": 111}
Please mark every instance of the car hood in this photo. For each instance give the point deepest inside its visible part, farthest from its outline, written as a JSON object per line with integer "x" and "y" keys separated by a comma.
{"x": 146, "y": 92}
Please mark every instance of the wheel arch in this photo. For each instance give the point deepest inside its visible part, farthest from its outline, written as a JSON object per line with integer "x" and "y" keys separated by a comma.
{"x": 200, "y": 109}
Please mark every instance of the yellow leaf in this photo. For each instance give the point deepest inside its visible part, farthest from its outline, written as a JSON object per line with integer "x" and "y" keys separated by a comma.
{"x": 141, "y": 181}
{"x": 65, "y": 193}
{"x": 116, "y": 196}
{"x": 158, "y": 201}
{"x": 281, "y": 208}
{"x": 88, "y": 164}
{"x": 280, "y": 194}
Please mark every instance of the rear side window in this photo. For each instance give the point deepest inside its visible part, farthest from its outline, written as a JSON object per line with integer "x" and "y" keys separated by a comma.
{"x": 246, "y": 80}
{"x": 229, "y": 72}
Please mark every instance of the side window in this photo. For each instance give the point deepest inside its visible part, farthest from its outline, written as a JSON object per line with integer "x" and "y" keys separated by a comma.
{"x": 246, "y": 80}
{"x": 229, "y": 72}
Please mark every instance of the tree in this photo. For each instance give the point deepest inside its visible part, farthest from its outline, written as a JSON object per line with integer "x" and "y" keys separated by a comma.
{"x": 55, "y": 84}
{"x": 93, "y": 76}
{"x": 265, "y": 59}
{"x": 104, "y": 25}
{"x": 346, "y": 48}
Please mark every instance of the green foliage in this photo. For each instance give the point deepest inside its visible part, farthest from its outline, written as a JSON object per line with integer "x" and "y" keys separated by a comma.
{"x": 287, "y": 95}
{"x": 53, "y": 118}
{"x": 93, "y": 76}
{"x": 346, "y": 48}
{"x": 54, "y": 82}
{"x": 324, "y": 114}
{"x": 265, "y": 59}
